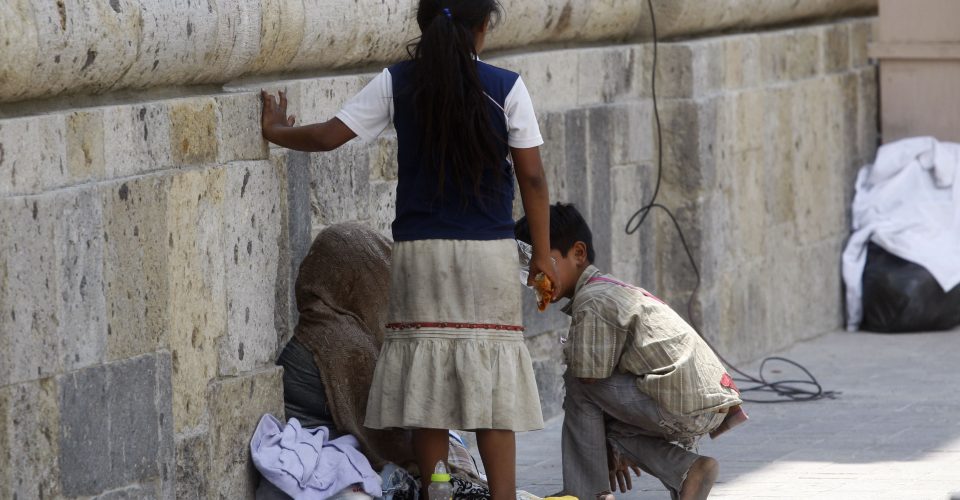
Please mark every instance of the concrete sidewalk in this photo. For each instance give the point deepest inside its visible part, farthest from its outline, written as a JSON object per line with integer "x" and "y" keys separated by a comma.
{"x": 892, "y": 433}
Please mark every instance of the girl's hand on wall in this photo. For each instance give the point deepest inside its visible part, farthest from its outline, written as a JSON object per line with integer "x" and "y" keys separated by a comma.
{"x": 274, "y": 114}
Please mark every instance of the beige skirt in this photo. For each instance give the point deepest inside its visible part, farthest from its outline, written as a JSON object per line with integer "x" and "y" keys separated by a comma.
{"x": 454, "y": 355}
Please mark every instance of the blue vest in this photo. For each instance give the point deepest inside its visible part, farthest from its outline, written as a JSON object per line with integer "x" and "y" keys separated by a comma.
{"x": 426, "y": 210}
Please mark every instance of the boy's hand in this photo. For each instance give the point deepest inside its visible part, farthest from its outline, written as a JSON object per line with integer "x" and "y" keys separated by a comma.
{"x": 620, "y": 468}
{"x": 274, "y": 114}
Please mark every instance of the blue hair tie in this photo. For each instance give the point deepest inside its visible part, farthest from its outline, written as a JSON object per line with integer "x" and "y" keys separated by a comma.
{"x": 447, "y": 13}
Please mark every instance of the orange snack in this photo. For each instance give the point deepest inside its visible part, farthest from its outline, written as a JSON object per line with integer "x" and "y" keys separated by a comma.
{"x": 544, "y": 289}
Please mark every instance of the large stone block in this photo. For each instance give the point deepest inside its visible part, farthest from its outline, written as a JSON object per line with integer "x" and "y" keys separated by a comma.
{"x": 861, "y": 34}
{"x": 319, "y": 99}
{"x": 718, "y": 239}
{"x": 553, "y": 154}
{"x": 788, "y": 299}
{"x": 82, "y": 310}
{"x": 197, "y": 293}
{"x": 340, "y": 184}
{"x": 681, "y": 126}
{"x": 29, "y": 443}
{"x": 780, "y": 161}
{"x": 840, "y": 141}
{"x": 835, "y": 44}
{"x": 239, "y": 127}
{"x": 252, "y": 230}
{"x": 134, "y": 441}
{"x": 167, "y": 451}
{"x": 849, "y": 140}
{"x": 683, "y": 18}
{"x": 576, "y": 133}
{"x": 632, "y": 253}
{"x": 28, "y": 289}
{"x": 610, "y": 74}
{"x": 817, "y": 175}
{"x": 560, "y": 21}
{"x": 601, "y": 195}
{"x": 708, "y": 66}
{"x": 741, "y": 61}
{"x": 132, "y": 450}
{"x": 551, "y": 77}
{"x": 237, "y": 39}
{"x": 633, "y": 136}
{"x": 290, "y": 245}
{"x": 721, "y": 307}
{"x": 32, "y": 154}
{"x": 75, "y": 51}
{"x": 135, "y": 492}
{"x": 789, "y": 55}
{"x": 753, "y": 330}
{"x": 675, "y": 70}
{"x": 85, "y": 459}
{"x": 281, "y": 33}
{"x": 136, "y": 139}
{"x": 73, "y": 46}
{"x": 676, "y": 278}
{"x": 724, "y": 138}
{"x": 236, "y": 405}
{"x": 383, "y": 206}
{"x": 822, "y": 276}
{"x": 193, "y": 131}
{"x": 708, "y": 112}
{"x": 193, "y": 467}
{"x": 178, "y": 40}
{"x": 383, "y": 158}
{"x": 748, "y": 205}
{"x": 18, "y": 35}
{"x": 299, "y": 226}
{"x": 548, "y": 367}
{"x": 85, "y": 157}
{"x": 751, "y": 120}
{"x": 868, "y": 138}
{"x": 136, "y": 268}
{"x": 325, "y": 32}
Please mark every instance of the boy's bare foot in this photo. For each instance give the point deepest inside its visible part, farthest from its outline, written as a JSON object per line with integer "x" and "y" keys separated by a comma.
{"x": 700, "y": 478}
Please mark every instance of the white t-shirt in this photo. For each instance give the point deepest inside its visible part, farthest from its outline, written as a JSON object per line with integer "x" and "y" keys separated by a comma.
{"x": 369, "y": 112}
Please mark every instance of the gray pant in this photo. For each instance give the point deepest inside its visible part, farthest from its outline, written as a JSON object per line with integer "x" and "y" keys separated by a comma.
{"x": 614, "y": 410}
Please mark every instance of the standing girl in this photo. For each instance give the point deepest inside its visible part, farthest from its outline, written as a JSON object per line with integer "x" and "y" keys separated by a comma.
{"x": 454, "y": 356}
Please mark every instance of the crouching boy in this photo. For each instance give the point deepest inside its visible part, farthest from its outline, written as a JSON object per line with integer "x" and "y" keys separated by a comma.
{"x": 641, "y": 385}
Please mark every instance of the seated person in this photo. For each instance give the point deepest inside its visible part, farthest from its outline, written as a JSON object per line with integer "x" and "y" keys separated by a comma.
{"x": 342, "y": 293}
{"x": 641, "y": 385}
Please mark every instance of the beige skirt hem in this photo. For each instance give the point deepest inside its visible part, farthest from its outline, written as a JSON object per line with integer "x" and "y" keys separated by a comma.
{"x": 454, "y": 380}
{"x": 454, "y": 356}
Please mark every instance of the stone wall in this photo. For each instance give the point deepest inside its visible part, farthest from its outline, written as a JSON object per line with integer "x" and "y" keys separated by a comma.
{"x": 148, "y": 242}
{"x": 764, "y": 144}
{"x": 71, "y": 47}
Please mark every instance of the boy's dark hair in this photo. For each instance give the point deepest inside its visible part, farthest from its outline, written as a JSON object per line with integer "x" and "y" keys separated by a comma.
{"x": 567, "y": 227}
{"x": 448, "y": 95}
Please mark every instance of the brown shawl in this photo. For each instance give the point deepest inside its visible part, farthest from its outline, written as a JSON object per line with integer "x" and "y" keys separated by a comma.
{"x": 342, "y": 295}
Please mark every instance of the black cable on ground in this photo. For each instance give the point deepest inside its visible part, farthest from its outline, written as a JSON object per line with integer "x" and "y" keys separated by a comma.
{"x": 780, "y": 391}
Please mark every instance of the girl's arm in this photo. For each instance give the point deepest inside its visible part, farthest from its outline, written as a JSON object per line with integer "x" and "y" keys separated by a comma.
{"x": 536, "y": 205}
{"x": 278, "y": 128}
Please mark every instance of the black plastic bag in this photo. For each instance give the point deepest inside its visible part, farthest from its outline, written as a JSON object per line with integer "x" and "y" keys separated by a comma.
{"x": 902, "y": 296}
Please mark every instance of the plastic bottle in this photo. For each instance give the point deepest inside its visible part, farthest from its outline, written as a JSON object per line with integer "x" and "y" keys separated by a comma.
{"x": 440, "y": 488}
{"x": 525, "y": 252}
